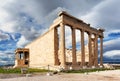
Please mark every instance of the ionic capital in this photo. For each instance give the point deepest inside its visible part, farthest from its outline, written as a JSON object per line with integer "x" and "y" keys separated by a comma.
{"x": 62, "y": 24}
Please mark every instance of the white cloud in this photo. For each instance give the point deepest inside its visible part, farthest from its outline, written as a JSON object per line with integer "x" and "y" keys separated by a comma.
{"x": 111, "y": 45}
{"x": 8, "y": 26}
{"x": 3, "y": 36}
{"x": 6, "y": 57}
{"x": 22, "y": 41}
{"x": 111, "y": 42}
{"x": 114, "y": 54}
{"x": 105, "y": 14}
{"x": 112, "y": 31}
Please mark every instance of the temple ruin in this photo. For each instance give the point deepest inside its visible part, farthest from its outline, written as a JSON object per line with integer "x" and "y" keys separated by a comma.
{"x": 50, "y": 50}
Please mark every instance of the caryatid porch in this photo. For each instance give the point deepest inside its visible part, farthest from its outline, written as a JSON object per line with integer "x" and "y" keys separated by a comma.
{"x": 21, "y": 57}
{"x": 74, "y": 23}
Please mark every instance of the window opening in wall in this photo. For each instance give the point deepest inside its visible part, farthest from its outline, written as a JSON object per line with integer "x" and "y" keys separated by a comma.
{"x": 21, "y": 56}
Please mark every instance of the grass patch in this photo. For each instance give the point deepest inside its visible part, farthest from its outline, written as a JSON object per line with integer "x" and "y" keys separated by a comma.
{"x": 86, "y": 70}
{"x": 32, "y": 70}
{"x": 18, "y": 70}
{"x": 7, "y": 71}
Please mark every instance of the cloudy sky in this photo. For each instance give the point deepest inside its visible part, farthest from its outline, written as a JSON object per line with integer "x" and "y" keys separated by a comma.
{"x": 21, "y": 21}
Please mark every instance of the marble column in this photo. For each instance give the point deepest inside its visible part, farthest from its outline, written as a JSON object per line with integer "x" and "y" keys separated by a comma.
{"x": 101, "y": 51}
{"x": 23, "y": 54}
{"x": 17, "y": 56}
{"x": 90, "y": 49}
{"x": 16, "y": 59}
{"x": 62, "y": 44}
{"x": 93, "y": 50}
{"x": 74, "y": 61}
{"x": 96, "y": 51}
{"x": 56, "y": 45}
{"x": 82, "y": 49}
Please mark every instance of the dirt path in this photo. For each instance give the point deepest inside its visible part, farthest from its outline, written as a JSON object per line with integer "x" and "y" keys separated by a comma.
{"x": 96, "y": 76}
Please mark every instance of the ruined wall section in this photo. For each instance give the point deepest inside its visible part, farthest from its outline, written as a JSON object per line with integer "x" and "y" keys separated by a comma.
{"x": 42, "y": 50}
{"x": 78, "y": 55}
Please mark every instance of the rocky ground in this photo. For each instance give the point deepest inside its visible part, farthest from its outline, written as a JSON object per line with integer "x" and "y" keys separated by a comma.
{"x": 113, "y": 75}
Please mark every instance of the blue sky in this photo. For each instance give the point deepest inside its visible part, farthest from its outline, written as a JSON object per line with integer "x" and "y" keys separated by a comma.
{"x": 21, "y": 21}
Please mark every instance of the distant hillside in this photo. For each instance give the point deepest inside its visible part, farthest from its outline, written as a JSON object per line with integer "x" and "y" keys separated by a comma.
{"x": 7, "y": 65}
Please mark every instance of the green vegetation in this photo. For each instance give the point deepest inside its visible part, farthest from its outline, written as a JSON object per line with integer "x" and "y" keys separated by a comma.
{"x": 30, "y": 70}
{"x": 6, "y": 71}
{"x": 18, "y": 70}
{"x": 86, "y": 70}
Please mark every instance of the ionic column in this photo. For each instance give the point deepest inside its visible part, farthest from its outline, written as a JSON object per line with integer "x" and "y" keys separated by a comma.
{"x": 73, "y": 47}
{"x": 82, "y": 49}
{"x": 16, "y": 59}
{"x": 93, "y": 51}
{"x": 56, "y": 44}
{"x": 23, "y": 54}
{"x": 90, "y": 49}
{"x": 16, "y": 56}
{"x": 101, "y": 51}
{"x": 96, "y": 50}
{"x": 62, "y": 44}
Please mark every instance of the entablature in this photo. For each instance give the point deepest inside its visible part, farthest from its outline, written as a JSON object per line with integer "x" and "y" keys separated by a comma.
{"x": 19, "y": 50}
{"x": 76, "y": 23}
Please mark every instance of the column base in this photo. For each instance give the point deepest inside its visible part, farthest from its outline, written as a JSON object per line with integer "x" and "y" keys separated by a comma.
{"x": 73, "y": 67}
{"x": 101, "y": 66}
{"x": 76, "y": 67}
{"x": 93, "y": 67}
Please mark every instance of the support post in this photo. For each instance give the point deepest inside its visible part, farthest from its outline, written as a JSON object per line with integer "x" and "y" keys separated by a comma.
{"x": 62, "y": 44}
{"x": 82, "y": 49}
{"x": 90, "y": 49}
{"x": 74, "y": 61}
{"x": 101, "y": 51}
{"x": 56, "y": 44}
{"x": 96, "y": 51}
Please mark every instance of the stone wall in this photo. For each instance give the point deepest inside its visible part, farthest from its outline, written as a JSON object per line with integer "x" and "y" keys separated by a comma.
{"x": 42, "y": 50}
{"x": 78, "y": 54}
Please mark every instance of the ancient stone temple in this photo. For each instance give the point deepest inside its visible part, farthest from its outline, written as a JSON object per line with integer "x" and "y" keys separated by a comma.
{"x": 49, "y": 50}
